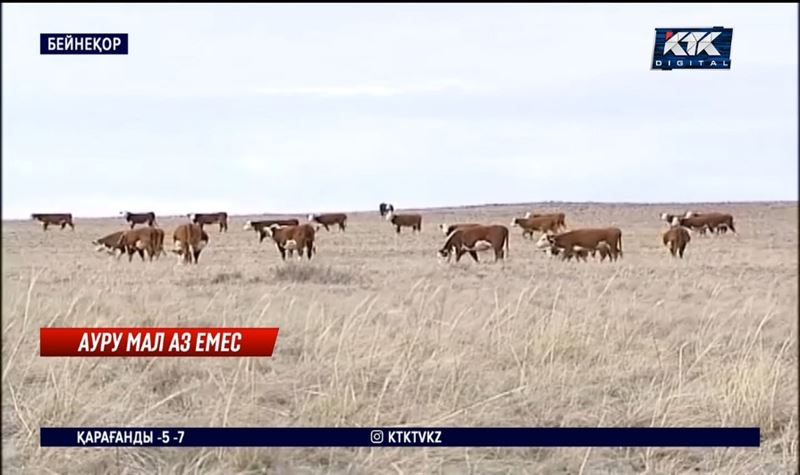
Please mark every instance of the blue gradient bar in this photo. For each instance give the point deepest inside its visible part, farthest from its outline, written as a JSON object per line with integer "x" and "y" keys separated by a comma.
{"x": 399, "y": 437}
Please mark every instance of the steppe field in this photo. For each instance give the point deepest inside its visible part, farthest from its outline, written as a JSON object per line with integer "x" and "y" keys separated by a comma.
{"x": 375, "y": 331}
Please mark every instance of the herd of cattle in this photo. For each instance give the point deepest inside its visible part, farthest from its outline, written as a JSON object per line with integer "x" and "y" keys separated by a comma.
{"x": 289, "y": 235}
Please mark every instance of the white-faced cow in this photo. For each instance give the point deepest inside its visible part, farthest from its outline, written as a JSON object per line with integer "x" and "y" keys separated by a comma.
{"x": 110, "y": 243}
{"x": 474, "y": 239}
{"x": 714, "y": 222}
{"x": 413, "y": 221}
{"x": 329, "y": 219}
{"x": 210, "y": 218}
{"x": 56, "y": 219}
{"x": 260, "y": 227}
{"x": 293, "y": 238}
{"x": 139, "y": 218}
{"x": 188, "y": 240}
{"x": 584, "y": 239}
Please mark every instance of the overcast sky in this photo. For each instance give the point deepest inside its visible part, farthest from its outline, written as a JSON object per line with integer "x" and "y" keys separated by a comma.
{"x": 296, "y": 108}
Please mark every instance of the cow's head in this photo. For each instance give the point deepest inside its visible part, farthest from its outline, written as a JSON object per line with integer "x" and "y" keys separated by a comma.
{"x": 270, "y": 231}
{"x": 389, "y": 215}
{"x": 311, "y": 217}
{"x": 515, "y": 222}
{"x": 443, "y": 227}
{"x": 689, "y": 214}
{"x": 444, "y": 254}
{"x": 248, "y": 225}
{"x": 675, "y": 221}
{"x": 545, "y": 241}
{"x": 191, "y": 217}
{"x": 664, "y": 217}
{"x": 527, "y": 215}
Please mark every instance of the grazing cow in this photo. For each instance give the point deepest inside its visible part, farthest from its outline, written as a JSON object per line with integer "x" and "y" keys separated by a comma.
{"x": 539, "y": 223}
{"x": 413, "y": 221}
{"x": 139, "y": 218}
{"x": 384, "y": 208}
{"x": 260, "y": 227}
{"x": 560, "y": 218}
{"x": 584, "y": 239}
{"x": 293, "y": 238}
{"x": 140, "y": 241}
{"x": 329, "y": 219}
{"x": 711, "y": 221}
{"x": 111, "y": 244}
{"x": 188, "y": 241}
{"x": 210, "y": 218}
{"x": 676, "y": 238}
{"x": 447, "y": 229}
{"x": 474, "y": 239}
{"x": 57, "y": 219}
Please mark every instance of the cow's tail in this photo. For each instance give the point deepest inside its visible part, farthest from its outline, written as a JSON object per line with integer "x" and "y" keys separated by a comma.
{"x": 730, "y": 225}
{"x": 619, "y": 243}
{"x": 506, "y": 243}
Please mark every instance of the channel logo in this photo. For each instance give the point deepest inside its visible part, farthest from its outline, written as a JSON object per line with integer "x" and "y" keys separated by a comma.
{"x": 692, "y": 48}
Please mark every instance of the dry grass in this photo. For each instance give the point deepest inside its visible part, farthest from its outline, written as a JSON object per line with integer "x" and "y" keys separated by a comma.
{"x": 375, "y": 331}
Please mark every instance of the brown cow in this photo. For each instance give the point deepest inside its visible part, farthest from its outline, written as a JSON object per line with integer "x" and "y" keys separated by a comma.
{"x": 293, "y": 238}
{"x": 139, "y": 218}
{"x": 188, "y": 241}
{"x": 261, "y": 226}
{"x": 210, "y": 218}
{"x": 413, "y": 221}
{"x": 676, "y": 238}
{"x": 448, "y": 229}
{"x": 329, "y": 219}
{"x": 58, "y": 219}
{"x": 474, "y": 239}
{"x": 111, "y": 244}
{"x": 140, "y": 241}
{"x": 560, "y": 217}
{"x": 538, "y": 223}
{"x": 584, "y": 239}
{"x": 711, "y": 221}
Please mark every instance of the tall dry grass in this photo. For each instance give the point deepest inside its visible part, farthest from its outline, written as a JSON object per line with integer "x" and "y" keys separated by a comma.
{"x": 374, "y": 331}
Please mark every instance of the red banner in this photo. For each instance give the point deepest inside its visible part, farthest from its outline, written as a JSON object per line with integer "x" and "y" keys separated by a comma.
{"x": 157, "y": 341}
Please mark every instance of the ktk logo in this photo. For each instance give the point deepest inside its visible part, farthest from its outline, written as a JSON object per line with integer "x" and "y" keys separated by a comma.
{"x": 692, "y": 48}
{"x": 696, "y": 43}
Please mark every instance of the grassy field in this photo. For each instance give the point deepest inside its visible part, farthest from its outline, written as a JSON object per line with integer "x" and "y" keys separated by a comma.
{"x": 375, "y": 331}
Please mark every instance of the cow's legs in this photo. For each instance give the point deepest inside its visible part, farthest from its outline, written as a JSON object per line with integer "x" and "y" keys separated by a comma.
{"x": 283, "y": 252}
{"x": 44, "y": 225}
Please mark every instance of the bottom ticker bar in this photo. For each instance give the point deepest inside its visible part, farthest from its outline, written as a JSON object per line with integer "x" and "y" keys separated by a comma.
{"x": 399, "y": 437}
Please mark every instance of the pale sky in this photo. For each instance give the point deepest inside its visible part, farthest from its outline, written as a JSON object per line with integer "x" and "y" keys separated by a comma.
{"x": 298, "y": 108}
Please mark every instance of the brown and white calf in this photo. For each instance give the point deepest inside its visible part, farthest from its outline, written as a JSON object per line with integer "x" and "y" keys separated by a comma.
{"x": 474, "y": 239}
{"x": 188, "y": 240}
{"x": 139, "y": 218}
{"x": 413, "y": 221}
{"x": 329, "y": 219}
{"x": 676, "y": 238}
{"x": 210, "y": 218}
{"x": 57, "y": 219}
{"x": 261, "y": 226}
{"x": 539, "y": 223}
{"x": 293, "y": 238}
{"x": 588, "y": 239}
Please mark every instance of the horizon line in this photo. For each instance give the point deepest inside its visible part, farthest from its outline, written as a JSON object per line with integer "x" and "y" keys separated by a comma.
{"x": 444, "y": 207}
